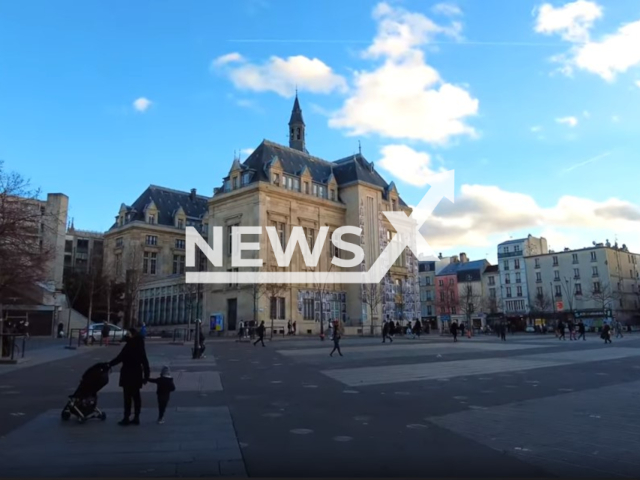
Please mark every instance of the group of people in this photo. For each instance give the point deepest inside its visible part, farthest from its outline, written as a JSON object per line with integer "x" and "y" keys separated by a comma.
{"x": 580, "y": 327}
{"x": 135, "y": 373}
{"x": 390, "y": 328}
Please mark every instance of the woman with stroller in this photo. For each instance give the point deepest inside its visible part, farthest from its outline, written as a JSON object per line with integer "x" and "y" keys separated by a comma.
{"x": 133, "y": 374}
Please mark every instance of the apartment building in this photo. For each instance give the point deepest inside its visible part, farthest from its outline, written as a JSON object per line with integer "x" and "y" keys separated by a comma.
{"x": 514, "y": 290}
{"x": 460, "y": 293}
{"x": 285, "y": 187}
{"x": 595, "y": 284}
{"x": 145, "y": 249}
{"x": 427, "y": 271}
{"x": 83, "y": 250}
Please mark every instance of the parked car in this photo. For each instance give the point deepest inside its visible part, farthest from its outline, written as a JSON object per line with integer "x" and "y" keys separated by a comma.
{"x": 95, "y": 333}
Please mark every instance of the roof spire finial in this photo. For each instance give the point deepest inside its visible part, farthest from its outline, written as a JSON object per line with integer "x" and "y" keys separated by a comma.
{"x": 359, "y": 148}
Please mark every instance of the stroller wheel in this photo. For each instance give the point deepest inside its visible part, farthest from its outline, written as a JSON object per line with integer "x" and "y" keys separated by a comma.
{"x": 66, "y": 415}
{"x": 81, "y": 419}
{"x": 102, "y": 416}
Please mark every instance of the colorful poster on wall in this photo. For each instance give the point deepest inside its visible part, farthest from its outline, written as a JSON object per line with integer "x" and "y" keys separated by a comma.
{"x": 216, "y": 322}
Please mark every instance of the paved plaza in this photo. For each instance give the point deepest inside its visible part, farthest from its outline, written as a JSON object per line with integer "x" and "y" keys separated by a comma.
{"x": 533, "y": 406}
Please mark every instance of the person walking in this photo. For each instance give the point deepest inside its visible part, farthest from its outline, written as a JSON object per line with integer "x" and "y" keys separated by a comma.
{"x": 289, "y": 328}
{"x": 104, "y": 334}
{"x": 606, "y": 334}
{"x": 571, "y": 328}
{"x": 385, "y": 333}
{"x": 462, "y": 327}
{"x": 143, "y": 330}
{"x": 295, "y": 327}
{"x": 392, "y": 329}
{"x": 164, "y": 387}
{"x": 581, "y": 331}
{"x": 417, "y": 328}
{"x": 503, "y": 332}
{"x": 561, "y": 330}
{"x": 454, "y": 330}
{"x": 336, "y": 341}
{"x": 619, "y": 330}
{"x": 260, "y": 331}
{"x": 133, "y": 374}
{"x": 241, "y": 331}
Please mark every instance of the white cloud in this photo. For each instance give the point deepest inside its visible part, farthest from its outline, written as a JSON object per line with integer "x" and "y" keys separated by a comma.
{"x": 570, "y": 121}
{"x": 572, "y": 21}
{"x": 405, "y": 98}
{"x": 280, "y": 75}
{"x": 615, "y": 53}
{"x": 447, "y": 9}
{"x": 483, "y": 215}
{"x": 536, "y": 128}
{"x": 233, "y": 57}
{"x": 407, "y": 164}
{"x": 247, "y": 151}
{"x": 142, "y": 104}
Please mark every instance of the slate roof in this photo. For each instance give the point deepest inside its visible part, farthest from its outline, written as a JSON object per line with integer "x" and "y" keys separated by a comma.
{"x": 455, "y": 268}
{"x": 346, "y": 170}
{"x": 168, "y": 201}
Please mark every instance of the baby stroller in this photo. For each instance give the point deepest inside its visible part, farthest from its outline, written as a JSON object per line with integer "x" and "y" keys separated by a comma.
{"x": 84, "y": 401}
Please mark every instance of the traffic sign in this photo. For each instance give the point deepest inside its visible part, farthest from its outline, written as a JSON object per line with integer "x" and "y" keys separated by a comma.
{"x": 559, "y": 306}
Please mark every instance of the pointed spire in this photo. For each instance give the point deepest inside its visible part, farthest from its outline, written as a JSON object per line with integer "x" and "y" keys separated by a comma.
{"x": 296, "y": 112}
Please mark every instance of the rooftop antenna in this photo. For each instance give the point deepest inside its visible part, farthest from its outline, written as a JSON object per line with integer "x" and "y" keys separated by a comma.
{"x": 359, "y": 148}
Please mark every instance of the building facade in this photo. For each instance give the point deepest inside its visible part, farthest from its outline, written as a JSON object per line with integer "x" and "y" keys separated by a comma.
{"x": 145, "y": 249}
{"x": 427, "y": 271}
{"x": 285, "y": 187}
{"x": 514, "y": 290}
{"x": 83, "y": 250}
{"x": 595, "y": 284}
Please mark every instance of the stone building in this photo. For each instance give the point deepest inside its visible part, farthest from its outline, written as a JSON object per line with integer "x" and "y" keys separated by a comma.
{"x": 595, "y": 284}
{"x": 39, "y": 304}
{"x": 286, "y": 186}
{"x": 83, "y": 250}
{"x": 145, "y": 249}
{"x": 427, "y": 271}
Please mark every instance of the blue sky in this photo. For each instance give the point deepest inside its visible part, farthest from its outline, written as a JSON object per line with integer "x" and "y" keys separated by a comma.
{"x": 536, "y": 106}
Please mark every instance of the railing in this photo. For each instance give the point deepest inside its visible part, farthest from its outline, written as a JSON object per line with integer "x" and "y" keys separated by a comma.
{"x": 9, "y": 346}
{"x": 78, "y": 340}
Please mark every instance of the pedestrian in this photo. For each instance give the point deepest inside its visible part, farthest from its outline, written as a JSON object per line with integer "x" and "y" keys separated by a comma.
{"x": 462, "y": 327}
{"x": 619, "y": 330}
{"x": 503, "y": 332}
{"x": 417, "y": 328}
{"x": 199, "y": 346}
{"x": 330, "y": 330}
{"x": 295, "y": 327}
{"x": 104, "y": 334}
{"x": 385, "y": 333}
{"x": 289, "y": 328}
{"x": 143, "y": 330}
{"x": 241, "y": 331}
{"x": 392, "y": 329}
{"x": 133, "y": 374}
{"x": 581, "y": 331}
{"x": 606, "y": 334}
{"x": 336, "y": 341}
{"x": 454, "y": 330}
{"x": 571, "y": 328}
{"x": 60, "y": 330}
{"x": 409, "y": 330}
{"x": 260, "y": 331}
{"x": 561, "y": 330}
{"x": 164, "y": 388}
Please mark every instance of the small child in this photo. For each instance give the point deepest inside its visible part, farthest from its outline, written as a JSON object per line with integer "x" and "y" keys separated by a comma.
{"x": 165, "y": 387}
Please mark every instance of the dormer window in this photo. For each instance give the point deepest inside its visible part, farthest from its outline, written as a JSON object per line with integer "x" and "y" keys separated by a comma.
{"x": 276, "y": 179}
{"x": 296, "y": 184}
{"x": 246, "y": 178}
{"x": 393, "y": 205}
{"x": 333, "y": 194}
{"x": 235, "y": 183}
{"x": 152, "y": 219}
{"x": 315, "y": 189}
{"x": 306, "y": 188}
{"x": 180, "y": 223}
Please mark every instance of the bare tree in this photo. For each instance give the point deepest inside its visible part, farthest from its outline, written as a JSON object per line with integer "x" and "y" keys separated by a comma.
{"x": 132, "y": 263}
{"x": 372, "y": 295}
{"x": 447, "y": 301}
{"x": 604, "y": 296}
{"x": 273, "y": 290}
{"x": 470, "y": 301}
{"x": 320, "y": 285}
{"x": 570, "y": 293}
{"x": 109, "y": 272}
{"x": 24, "y": 255}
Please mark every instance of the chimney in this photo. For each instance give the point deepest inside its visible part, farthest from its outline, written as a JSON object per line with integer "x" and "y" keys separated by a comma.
{"x": 192, "y": 196}
{"x": 440, "y": 256}
{"x": 454, "y": 259}
{"x": 463, "y": 257}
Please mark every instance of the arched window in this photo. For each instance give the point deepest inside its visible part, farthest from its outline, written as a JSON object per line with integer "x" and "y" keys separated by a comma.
{"x": 298, "y": 133}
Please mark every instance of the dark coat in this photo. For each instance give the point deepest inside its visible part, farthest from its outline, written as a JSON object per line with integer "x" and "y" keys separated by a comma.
{"x": 135, "y": 365}
{"x": 165, "y": 385}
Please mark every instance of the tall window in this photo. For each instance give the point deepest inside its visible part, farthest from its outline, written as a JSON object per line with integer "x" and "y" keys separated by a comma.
{"x": 596, "y": 287}
{"x": 558, "y": 291}
{"x": 180, "y": 244}
{"x": 575, "y": 257}
{"x": 308, "y": 310}
{"x": 152, "y": 240}
{"x": 492, "y": 280}
{"x": 277, "y": 308}
{"x": 576, "y": 273}
{"x": 594, "y": 271}
{"x": 119, "y": 242}
{"x": 537, "y": 261}
{"x": 178, "y": 264}
{"x": 309, "y": 233}
{"x": 152, "y": 219}
{"x": 333, "y": 195}
{"x": 556, "y": 275}
{"x": 508, "y": 292}
{"x": 519, "y": 291}
{"x": 518, "y": 278}
{"x": 281, "y": 233}
{"x": 555, "y": 261}
{"x": 593, "y": 257}
{"x": 516, "y": 264}
{"x": 230, "y": 239}
{"x": 540, "y": 292}
{"x": 538, "y": 277}
{"x": 180, "y": 223}
{"x": 149, "y": 263}
{"x": 276, "y": 179}
{"x": 306, "y": 188}
{"x": 506, "y": 264}
{"x": 235, "y": 182}
{"x": 441, "y": 283}
{"x": 507, "y": 278}
{"x": 578, "y": 289}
